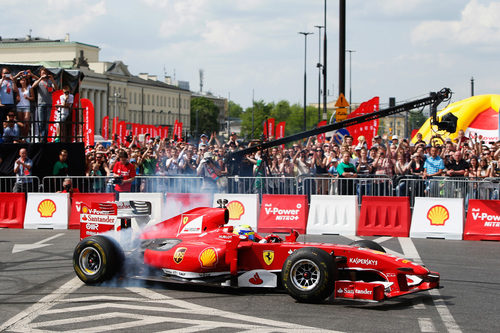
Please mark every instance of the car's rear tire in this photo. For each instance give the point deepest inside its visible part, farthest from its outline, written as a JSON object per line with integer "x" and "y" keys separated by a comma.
{"x": 368, "y": 244}
{"x": 308, "y": 275}
{"x": 97, "y": 259}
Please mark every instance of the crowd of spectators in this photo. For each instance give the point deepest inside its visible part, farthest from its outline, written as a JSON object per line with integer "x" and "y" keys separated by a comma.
{"x": 464, "y": 157}
{"x": 26, "y": 100}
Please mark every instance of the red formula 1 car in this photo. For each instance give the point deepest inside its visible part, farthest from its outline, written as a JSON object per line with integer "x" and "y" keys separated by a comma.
{"x": 199, "y": 247}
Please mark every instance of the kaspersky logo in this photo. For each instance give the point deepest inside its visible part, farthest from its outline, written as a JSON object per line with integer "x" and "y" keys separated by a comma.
{"x": 438, "y": 215}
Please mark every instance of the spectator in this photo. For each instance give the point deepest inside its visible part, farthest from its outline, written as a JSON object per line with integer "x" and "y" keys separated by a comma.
{"x": 12, "y": 129}
{"x": 457, "y": 167}
{"x": 22, "y": 169}
{"x": 209, "y": 171}
{"x": 45, "y": 86}
{"x": 97, "y": 183}
{"x": 346, "y": 170}
{"x": 123, "y": 173}
{"x": 7, "y": 90}
{"x": 364, "y": 163}
{"x": 63, "y": 105}
{"x": 26, "y": 96}
{"x": 68, "y": 187}
{"x": 61, "y": 167}
{"x": 433, "y": 166}
{"x": 383, "y": 166}
{"x": 484, "y": 170}
{"x": 233, "y": 139}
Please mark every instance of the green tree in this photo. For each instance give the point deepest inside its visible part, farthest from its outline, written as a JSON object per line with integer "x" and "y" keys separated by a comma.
{"x": 208, "y": 114}
{"x": 235, "y": 110}
{"x": 416, "y": 119}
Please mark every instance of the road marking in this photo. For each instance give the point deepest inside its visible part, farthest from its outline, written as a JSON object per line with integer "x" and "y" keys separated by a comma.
{"x": 203, "y": 310}
{"x": 22, "y": 319}
{"x": 25, "y": 247}
{"x": 426, "y": 325}
{"x": 411, "y": 252}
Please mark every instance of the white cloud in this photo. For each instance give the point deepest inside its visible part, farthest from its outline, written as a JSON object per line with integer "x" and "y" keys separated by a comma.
{"x": 479, "y": 24}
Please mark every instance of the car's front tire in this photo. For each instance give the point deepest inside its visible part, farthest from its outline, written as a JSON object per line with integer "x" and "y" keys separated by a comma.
{"x": 97, "y": 259}
{"x": 368, "y": 244}
{"x": 308, "y": 275}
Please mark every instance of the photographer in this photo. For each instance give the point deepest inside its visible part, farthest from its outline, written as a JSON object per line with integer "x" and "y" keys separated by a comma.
{"x": 12, "y": 129}
{"x": 123, "y": 173}
{"x": 209, "y": 171}
{"x": 68, "y": 187}
{"x": 45, "y": 86}
{"x": 7, "y": 89}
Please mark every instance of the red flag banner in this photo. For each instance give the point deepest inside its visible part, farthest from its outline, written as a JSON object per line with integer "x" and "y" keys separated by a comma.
{"x": 105, "y": 128}
{"x": 179, "y": 131}
{"x": 122, "y": 128}
{"x": 88, "y": 121}
{"x": 367, "y": 129}
{"x": 135, "y": 129}
{"x": 280, "y": 132}
{"x": 164, "y": 132}
{"x": 115, "y": 128}
{"x": 321, "y": 137}
{"x": 270, "y": 127}
{"x": 174, "y": 134}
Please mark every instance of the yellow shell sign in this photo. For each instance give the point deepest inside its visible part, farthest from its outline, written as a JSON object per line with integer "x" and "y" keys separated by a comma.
{"x": 438, "y": 215}
{"x": 236, "y": 210}
{"x": 46, "y": 208}
{"x": 208, "y": 258}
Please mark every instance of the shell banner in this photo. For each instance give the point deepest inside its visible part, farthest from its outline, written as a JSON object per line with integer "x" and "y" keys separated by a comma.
{"x": 243, "y": 208}
{"x": 283, "y": 213}
{"x": 438, "y": 218}
{"x": 47, "y": 211}
{"x": 483, "y": 220}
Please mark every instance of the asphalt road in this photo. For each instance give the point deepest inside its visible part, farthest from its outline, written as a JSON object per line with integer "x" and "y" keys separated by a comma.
{"x": 40, "y": 292}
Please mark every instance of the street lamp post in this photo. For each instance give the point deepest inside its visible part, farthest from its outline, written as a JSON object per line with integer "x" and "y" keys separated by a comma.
{"x": 305, "y": 72}
{"x": 196, "y": 137}
{"x": 319, "y": 71}
{"x": 324, "y": 61}
{"x": 350, "y": 77}
{"x": 116, "y": 96}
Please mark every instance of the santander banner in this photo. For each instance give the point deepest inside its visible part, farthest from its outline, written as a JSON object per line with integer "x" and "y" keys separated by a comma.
{"x": 483, "y": 220}
{"x": 281, "y": 213}
{"x": 88, "y": 121}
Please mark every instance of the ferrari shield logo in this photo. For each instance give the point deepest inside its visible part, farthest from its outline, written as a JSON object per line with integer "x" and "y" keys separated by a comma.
{"x": 179, "y": 254}
{"x": 268, "y": 257}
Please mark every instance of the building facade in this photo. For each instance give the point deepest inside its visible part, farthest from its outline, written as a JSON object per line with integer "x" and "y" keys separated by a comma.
{"x": 113, "y": 90}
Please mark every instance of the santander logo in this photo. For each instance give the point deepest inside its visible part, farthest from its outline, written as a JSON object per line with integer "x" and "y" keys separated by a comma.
{"x": 256, "y": 279}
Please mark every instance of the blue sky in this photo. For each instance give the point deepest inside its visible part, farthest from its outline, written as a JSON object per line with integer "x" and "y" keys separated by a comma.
{"x": 404, "y": 48}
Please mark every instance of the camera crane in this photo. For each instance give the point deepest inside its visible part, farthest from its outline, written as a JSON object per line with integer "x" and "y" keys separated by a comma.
{"x": 434, "y": 99}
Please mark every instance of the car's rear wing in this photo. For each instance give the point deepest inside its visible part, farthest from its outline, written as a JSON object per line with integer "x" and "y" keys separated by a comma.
{"x": 113, "y": 215}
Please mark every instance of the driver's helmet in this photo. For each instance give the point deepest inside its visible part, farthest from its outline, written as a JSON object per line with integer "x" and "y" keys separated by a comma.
{"x": 245, "y": 230}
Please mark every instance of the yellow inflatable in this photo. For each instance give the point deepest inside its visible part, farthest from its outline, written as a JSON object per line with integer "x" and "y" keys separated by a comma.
{"x": 466, "y": 111}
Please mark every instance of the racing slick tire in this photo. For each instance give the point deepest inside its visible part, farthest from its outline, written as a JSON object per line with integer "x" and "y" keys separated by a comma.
{"x": 97, "y": 259}
{"x": 308, "y": 275}
{"x": 368, "y": 244}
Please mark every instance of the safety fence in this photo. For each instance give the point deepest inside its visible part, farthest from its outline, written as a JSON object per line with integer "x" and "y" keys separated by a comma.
{"x": 405, "y": 186}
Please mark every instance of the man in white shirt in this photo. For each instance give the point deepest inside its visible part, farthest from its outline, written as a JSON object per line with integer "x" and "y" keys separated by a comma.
{"x": 63, "y": 105}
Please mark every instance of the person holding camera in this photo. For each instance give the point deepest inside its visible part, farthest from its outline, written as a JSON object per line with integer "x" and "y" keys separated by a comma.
{"x": 68, "y": 187}
{"x": 12, "y": 129}
{"x": 7, "y": 89}
{"x": 210, "y": 172}
{"x": 22, "y": 169}
{"x": 123, "y": 173}
{"x": 45, "y": 86}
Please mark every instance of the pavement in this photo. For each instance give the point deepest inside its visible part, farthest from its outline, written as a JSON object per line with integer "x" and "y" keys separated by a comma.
{"x": 40, "y": 292}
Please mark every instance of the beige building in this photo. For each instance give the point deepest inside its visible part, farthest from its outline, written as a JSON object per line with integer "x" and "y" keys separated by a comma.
{"x": 110, "y": 86}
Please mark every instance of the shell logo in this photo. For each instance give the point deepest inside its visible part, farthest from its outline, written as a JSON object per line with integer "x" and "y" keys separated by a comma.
{"x": 46, "y": 208}
{"x": 85, "y": 209}
{"x": 236, "y": 210}
{"x": 208, "y": 258}
{"x": 438, "y": 215}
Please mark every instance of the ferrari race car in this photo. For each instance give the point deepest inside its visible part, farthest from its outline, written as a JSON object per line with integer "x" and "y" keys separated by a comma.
{"x": 199, "y": 246}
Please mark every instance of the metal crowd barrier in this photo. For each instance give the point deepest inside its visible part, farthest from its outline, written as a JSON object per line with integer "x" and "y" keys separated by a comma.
{"x": 106, "y": 184}
{"x": 372, "y": 185}
{"x": 446, "y": 187}
{"x": 22, "y": 184}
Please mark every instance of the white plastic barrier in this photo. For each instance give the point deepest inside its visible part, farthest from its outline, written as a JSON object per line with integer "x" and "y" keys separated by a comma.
{"x": 243, "y": 208}
{"x": 47, "y": 211}
{"x": 333, "y": 214}
{"x": 438, "y": 218}
{"x": 156, "y": 200}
